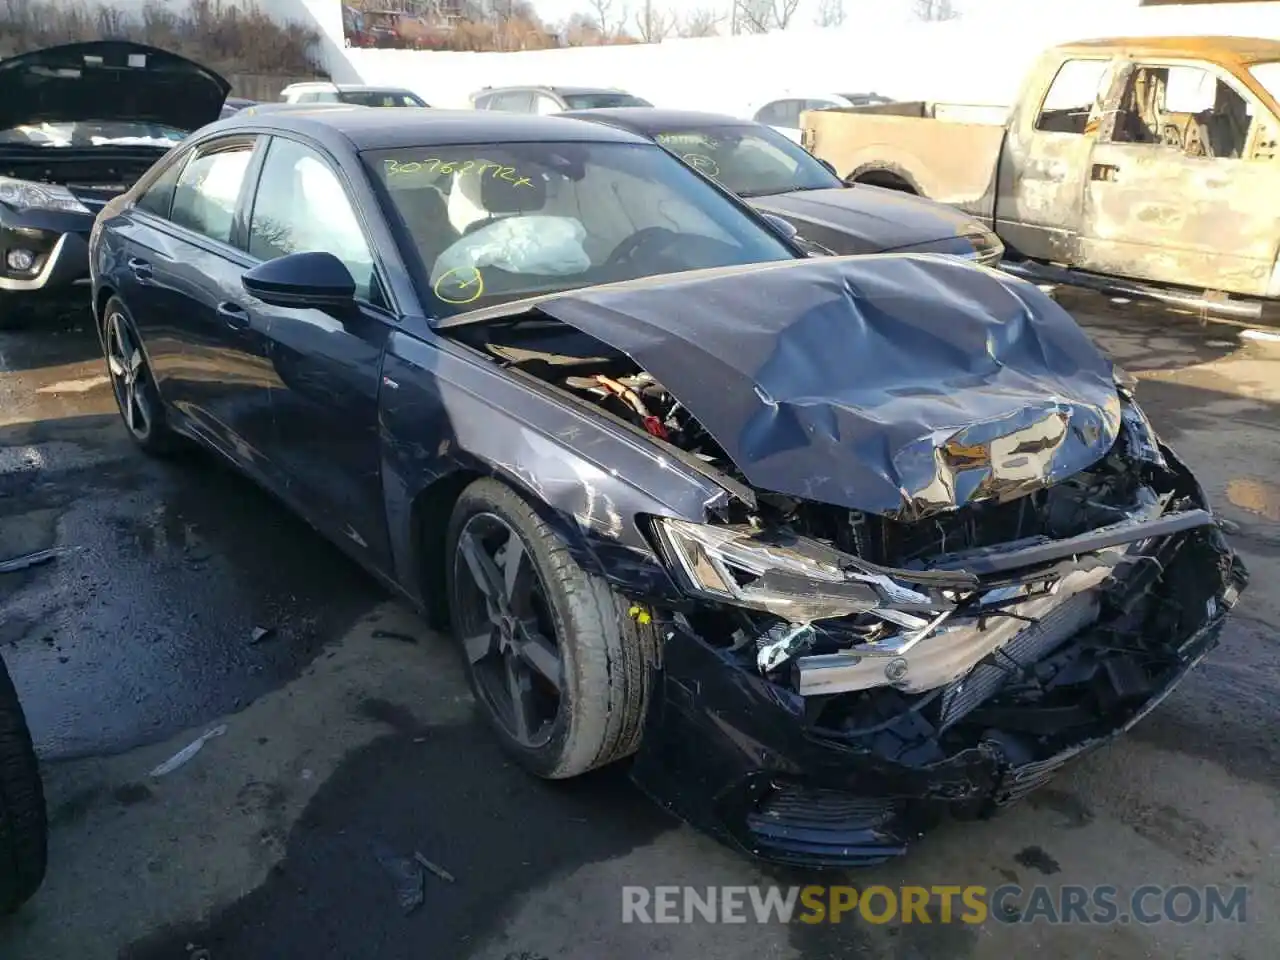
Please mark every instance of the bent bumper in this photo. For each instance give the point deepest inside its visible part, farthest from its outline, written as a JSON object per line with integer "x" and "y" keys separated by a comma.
{"x": 741, "y": 758}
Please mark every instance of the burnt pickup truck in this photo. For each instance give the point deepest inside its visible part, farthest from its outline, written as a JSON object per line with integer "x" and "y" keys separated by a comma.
{"x": 1145, "y": 166}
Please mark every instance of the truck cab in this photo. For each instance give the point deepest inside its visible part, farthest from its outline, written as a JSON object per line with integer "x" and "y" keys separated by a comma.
{"x": 1153, "y": 159}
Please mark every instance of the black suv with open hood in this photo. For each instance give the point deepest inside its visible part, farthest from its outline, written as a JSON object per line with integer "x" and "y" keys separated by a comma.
{"x": 78, "y": 125}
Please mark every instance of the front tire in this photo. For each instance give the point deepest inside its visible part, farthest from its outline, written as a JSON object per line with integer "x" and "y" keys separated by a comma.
{"x": 24, "y": 841}
{"x": 135, "y": 391}
{"x": 559, "y": 668}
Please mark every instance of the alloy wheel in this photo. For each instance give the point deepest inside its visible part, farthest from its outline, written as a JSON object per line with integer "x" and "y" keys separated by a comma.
{"x": 129, "y": 376}
{"x": 508, "y": 630}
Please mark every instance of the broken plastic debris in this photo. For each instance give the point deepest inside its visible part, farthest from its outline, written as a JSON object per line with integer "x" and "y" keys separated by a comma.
{"x": 260, "y": 633}
{"x": 438, "y": 870}
{"x": 639, "y": 614}
{"x": 189, "y": 751}
{"x": 29, "y": 560}
{"x": 774, "y": 653}
{"x": 407, "y": 875}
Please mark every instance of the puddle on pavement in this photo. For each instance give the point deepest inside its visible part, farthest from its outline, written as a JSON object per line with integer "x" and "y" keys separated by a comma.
{"x": 1256, "y": 496}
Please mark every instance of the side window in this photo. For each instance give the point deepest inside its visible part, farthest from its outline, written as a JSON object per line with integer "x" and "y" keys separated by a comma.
{"x": 517, "y": 101}
{"x": 544, "y": 105}
{"x": 301, "y": 207}
{"x": 1184, "y": 108}
{"x": 158, "y": 197}
{"x": 484, "y": 102}
{"x": 208, "y": 188}
{"x": 774, "y": 114}
{"x": 1075, "y": 90}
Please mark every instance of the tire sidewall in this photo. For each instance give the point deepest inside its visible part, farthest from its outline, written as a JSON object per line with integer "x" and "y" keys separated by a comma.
{"x": 493, "y": 497}
{"x": 158, "y": 438}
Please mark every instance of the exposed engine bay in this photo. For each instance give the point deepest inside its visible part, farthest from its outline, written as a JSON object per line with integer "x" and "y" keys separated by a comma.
{"x": 97, "y": 171}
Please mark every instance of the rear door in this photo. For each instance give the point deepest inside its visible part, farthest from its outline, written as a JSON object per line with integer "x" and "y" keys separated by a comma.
{"x": 1183, "y": 187}
{"x": 1044, "y": 165}
{"x": 326, "y": 369}
{"x": 208, "y": 353}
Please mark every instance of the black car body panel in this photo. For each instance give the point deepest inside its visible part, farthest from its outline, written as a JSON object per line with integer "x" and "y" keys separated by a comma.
{"x": 107, "y": 81}
{"x": 370, "y": 421}
{"x": 844, "y": 219}
{"x": 836, "y": 380}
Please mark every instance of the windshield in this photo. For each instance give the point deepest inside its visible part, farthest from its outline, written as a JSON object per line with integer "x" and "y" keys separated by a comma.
{"x": 1268, "y": 76}
{"x": 601, "y": 101}
{"x": 94, "y": 133}
{"x": 382, "y": 98}
{"x": 492, "y": 223}
{"x": 751, "y": 161}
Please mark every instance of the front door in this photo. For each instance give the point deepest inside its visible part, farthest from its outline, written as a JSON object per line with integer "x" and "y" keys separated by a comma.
{"x": 1182, "y": 190}
{"x": 326, "y": 368}
{"x": 1045, "y": 161}
{"x": 209, "y": 354}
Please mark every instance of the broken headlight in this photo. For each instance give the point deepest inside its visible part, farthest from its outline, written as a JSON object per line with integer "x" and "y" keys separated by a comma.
{"x": 26, "y": 195}
{"x": 794, "y": 578}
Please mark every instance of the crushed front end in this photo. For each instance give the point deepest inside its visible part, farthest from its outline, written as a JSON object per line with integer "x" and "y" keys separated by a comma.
{"x": 844, "y": 680}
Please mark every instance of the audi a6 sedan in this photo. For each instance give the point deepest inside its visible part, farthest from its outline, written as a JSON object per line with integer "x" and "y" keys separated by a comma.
{"x": 829, "y": 546}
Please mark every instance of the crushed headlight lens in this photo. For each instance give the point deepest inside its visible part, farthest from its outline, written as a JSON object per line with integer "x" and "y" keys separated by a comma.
{"x": 793, "y": 578}
{"x": 26, "y": 195}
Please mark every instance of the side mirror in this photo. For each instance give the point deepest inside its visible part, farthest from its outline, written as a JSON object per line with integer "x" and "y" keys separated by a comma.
{"x": 785, "y": 228}
{"x": 303, "y": 280}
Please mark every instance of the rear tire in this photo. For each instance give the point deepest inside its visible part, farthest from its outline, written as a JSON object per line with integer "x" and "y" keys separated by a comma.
{"x": 137, "y": 398}
{"x": 604, "y": 655}
{"x": 23, "y": 825}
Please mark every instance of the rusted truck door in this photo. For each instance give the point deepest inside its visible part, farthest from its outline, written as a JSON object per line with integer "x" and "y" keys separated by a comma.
{"x": 1044, "y": 165}
{"x": 1183, "y": 188}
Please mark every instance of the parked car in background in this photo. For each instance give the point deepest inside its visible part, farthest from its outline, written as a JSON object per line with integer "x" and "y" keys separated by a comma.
{"x": 78, "y": 124}
{"x": 778, "y": 177}
{"x": 1147, "y": 166}
{"x": 354, "y": 33}
{"x": 396, "y": 29}
{"x": 783, "y": 113}
{"x": 549, "y": 100}
{"x": 835, "y": 546}
{"x": 322, "y": 91}
{"x": 234, "y": 104}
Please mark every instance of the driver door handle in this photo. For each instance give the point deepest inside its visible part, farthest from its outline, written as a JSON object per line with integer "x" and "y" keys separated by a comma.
{"x": 141, "y": 269}
{"x": 233, "y": 315}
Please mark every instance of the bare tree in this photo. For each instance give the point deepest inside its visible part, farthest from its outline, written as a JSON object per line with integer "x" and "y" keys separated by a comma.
{"x": 609, "y": 17}
{"x": 652, "y": 25}
{"x": 701, "y": 22}
{"x": 936, "y": 10}
{"x": 761, "y": 16}
{"x": 830, "y": 13}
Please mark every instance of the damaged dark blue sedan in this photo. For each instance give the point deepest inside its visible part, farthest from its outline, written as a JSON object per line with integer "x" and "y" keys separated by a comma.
{"x": 833, "y": 546}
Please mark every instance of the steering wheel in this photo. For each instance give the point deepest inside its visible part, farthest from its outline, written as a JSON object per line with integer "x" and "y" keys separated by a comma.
{"x": 628, "y": 248}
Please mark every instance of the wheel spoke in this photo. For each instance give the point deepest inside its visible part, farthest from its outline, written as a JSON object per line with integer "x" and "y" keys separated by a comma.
{"x": 480, "y": 645}
{"x": 513, "y": 561}
{"x": 130, "y": 406}
{"x": 483, "y": 570}
{"x": 135, "y": 361}
{"x": 142, "y": 406}
{"x": 115, "y": 365}
{"x": 520, "y": 693}
{"x": 541, "y": 656}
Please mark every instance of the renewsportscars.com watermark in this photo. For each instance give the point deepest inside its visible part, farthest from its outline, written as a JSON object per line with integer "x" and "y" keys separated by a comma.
{"x": 1066, "y": 904}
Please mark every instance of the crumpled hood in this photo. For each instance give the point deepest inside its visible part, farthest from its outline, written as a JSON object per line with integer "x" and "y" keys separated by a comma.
{"x": 108, "y": 80}
{"x": 873, "y": 218}
{"x": 899, "y": 384}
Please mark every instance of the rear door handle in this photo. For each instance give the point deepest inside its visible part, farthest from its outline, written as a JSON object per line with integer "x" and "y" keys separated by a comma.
{"x": 141, "y": 269}
{"x": 1105, "y": 171}
{"x": 234, "y": 315}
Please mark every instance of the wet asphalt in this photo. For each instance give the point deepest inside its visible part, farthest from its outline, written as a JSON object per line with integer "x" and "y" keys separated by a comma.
{"x": 184, "y": 601}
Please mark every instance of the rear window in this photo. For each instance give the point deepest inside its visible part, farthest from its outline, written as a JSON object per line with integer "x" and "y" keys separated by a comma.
{"x": 381, "y": 98}
{"x": 602, "y": 101}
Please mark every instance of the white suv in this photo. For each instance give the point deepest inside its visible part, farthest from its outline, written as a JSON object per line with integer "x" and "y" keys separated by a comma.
{"x": 325, "y": 92}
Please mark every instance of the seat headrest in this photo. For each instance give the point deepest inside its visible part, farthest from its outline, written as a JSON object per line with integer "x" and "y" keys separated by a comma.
{"x": 523, "y": 193}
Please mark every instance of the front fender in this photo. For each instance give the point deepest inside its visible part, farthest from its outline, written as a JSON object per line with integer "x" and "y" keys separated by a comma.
{"x": 445, "y": 414}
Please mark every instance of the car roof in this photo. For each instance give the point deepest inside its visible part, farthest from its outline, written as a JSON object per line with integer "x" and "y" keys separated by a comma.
{"x": 651, "y": 120}
{"x": 550, "y": 88}
{"x": 1239, "y": 49}
{"x": 368, "y": 129}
